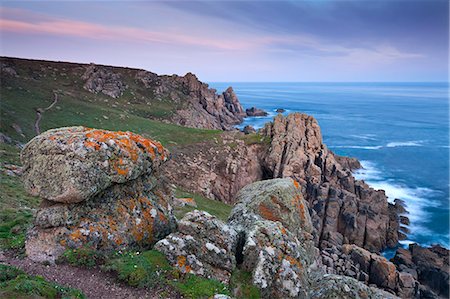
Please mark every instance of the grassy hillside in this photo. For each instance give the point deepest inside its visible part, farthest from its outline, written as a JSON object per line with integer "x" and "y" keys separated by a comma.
{"x": 136, "y": 110}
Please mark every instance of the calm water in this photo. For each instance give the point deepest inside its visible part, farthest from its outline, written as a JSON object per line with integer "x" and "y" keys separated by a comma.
{"x": 399, "y": 131}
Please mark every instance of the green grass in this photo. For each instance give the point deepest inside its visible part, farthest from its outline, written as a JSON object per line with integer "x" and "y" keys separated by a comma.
{"x": 83, "y": 257}
{"x": 243, "y": 288}
{"x": 136, "y": 110}
{"x": 15, "y": 283}
{"x": 151, "y": 268}
{"x": 16, "y": 206}
{"x": 219, "y": 209}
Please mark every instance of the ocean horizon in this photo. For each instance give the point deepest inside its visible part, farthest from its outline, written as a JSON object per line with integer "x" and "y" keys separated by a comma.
{"x": 398, "y": 130}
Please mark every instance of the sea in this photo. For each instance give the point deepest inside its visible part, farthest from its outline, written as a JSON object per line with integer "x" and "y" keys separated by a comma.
{"x": 399, "y": 132}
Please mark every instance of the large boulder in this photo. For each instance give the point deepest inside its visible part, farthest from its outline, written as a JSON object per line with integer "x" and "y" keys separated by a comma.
{"x": 203, "y": 245}
{"x": 73, "y": 164}
{"x": 99, "y": 188}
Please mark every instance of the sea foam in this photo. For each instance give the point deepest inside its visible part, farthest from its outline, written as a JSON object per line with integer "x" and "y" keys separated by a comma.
{"x": 416, "y": 199}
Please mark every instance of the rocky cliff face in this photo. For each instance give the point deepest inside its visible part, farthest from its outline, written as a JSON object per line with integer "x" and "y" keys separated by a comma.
{"x": 343, "y": 209}
{"x": 98, "y": 188}
{"x": 199, "y": 105}
{"x": 218, "y": 170}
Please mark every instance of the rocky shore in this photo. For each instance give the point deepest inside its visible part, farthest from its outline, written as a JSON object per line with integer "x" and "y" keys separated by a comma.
{"x": 301, "y": 224}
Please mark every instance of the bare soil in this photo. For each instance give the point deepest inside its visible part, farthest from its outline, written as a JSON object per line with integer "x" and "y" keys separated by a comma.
{"x": 94, "y": 283}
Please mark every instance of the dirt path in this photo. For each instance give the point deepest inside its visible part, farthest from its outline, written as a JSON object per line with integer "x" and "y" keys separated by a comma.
{"x": 94, "y": 283}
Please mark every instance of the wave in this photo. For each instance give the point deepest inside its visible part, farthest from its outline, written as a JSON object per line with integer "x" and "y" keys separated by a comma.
{"x": 377, "y": 147}
{"x": 417, "y": 199}
{"x": 374, "y": 147}
{"x": 405, "y": 143}
{"x": 365, "y": 136}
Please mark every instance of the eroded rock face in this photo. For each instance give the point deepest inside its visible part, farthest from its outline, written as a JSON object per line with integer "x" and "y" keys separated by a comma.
{"x": 217, "y": 171}
{"x": 203, "y": 245}
{"x": 343, "y": 210}
{"x": 430, "y": 266}
{"x": 99, "y": 188}
{"x": 198, "y": 106}
{"x": 103, "y": 79}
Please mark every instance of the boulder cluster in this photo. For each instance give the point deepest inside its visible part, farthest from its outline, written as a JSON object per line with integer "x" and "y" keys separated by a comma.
{"x": 99, "y": 188}
{"x": 267, "y": 234}
{"x": 105, "y": 80}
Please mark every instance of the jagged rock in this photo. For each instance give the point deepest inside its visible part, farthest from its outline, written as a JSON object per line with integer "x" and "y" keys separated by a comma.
{"x": 99, "y": 188}
{"x": 280, "y": 110}
{"x": 340, "y": 204}
{"x": 336, "y": 286}
{"x": 255, "y": 112}
{"x": 430, "y": 266}
{"x": 75, "y": 163}
{"x": 103, "y": 79}
{"x": 248, "y": 130}
{"x": 203, "y": 245}
{"x": 196, "y": 105}
{"x": 217, "y": 171}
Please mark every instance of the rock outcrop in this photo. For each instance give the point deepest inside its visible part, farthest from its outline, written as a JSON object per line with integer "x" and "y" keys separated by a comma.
{"x": 343, "y": 210}
{"x": 203, "y": 245}
{"x": 99, "y": 188}
{"x": 429, "y": 266}
{"x": 216, "y": 170}
{"x": 253, "y": 111}
{"x": 103, "y": 79}
{"x": 198, "y": 106}
{"x": 269, "y": 235}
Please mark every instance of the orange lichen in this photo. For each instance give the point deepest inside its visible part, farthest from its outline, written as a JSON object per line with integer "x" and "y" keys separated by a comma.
{"x": 283, "y": 231}
{"x": 267, "y": 213}
{"x": 181, "y": 263}
{"x": 296, "y": 184}
{"x": 293, "y": 261}
{"x": 129, "y": 142}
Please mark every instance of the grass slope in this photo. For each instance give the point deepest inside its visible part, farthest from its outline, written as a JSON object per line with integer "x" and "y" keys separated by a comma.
{"x": 136, "y": 110}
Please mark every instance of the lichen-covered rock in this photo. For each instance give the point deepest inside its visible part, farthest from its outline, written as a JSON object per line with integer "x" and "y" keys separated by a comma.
{"x": 277, "y": 260}
{"x": 99, "y": 188}
{"x": 203, "y": 245}
{"x": 274, "y": 243}
{"x": 274, "y": 200}
{"x": 336, "y": 286}
{"x": 75, "y": 163}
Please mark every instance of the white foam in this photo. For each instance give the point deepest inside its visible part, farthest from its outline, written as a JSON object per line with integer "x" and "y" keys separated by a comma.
{"x": 372, "y": 147}
{"x": 416, "y": 199}
{"x": 365, "y": 136}
{"x": 405, "y": 143}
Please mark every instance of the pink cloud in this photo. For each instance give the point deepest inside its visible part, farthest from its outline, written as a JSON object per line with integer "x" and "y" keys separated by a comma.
{"x": 64, "y": 27}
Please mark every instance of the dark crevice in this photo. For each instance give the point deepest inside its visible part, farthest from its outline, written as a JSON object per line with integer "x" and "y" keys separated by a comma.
{"x": 239, "y": 255}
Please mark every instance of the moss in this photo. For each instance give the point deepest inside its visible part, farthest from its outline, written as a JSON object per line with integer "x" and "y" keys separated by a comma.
{"x": 15, "y": 283}
{"x": 145, "y": 269}
{"x": 192, "y": 286}
{"x": 83, "y": 257}
{"x": 242, "y": 286}
{"x": 151, "y": 268}
{"x": 219, "y": 209}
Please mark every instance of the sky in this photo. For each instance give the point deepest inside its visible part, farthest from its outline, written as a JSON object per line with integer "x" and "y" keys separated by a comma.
{"x": 231, "y": 41}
